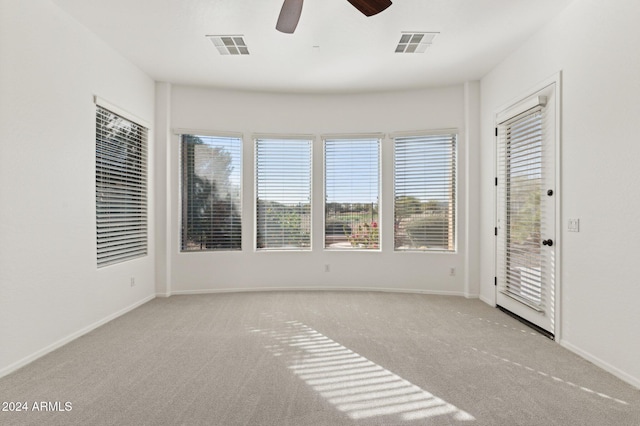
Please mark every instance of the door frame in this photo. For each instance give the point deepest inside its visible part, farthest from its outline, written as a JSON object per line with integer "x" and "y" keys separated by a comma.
{"x": 557, "y": 296}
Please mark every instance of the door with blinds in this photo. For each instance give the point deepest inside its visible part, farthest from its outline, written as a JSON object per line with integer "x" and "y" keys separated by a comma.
{"x": 526, "y": 210}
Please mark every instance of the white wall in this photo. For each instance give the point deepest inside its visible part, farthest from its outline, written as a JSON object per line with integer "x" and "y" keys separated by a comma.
{"x": 595, "y": 45}
{"x": 50, "y": 288}
{"x": 206, "y": 109}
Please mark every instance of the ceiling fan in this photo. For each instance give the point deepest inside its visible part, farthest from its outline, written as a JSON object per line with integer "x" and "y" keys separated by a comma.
{"x": 291, "y": 10}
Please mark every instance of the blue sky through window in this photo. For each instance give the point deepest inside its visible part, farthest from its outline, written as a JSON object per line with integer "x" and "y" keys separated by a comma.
{"x": 352, "y": 169}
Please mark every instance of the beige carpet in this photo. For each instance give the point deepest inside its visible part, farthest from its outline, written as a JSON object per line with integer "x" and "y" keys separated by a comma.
{"x": 316, "y": 358}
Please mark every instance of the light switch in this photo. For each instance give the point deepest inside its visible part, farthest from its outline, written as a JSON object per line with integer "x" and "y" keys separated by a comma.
{"x": 574, "y": 225}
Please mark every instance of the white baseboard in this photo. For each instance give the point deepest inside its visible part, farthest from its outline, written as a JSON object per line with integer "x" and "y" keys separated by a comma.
{"x": 52, "y": 347}
{"x": 633, "y": 381}
{"x": 260, "y": 289}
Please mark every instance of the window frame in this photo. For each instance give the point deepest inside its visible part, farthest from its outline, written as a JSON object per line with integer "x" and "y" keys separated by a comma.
{"x": 133, "y": 240}
{"x": 181, "y": 133}
{"x": 257, "y": 138}
{"x": 453, "y": 227}
{"x": 346, "y": 138}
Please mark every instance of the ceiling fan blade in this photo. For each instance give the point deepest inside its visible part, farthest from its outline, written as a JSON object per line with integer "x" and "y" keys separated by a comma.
{"x": 289, "y": 16}
{"x": 370, "y": 7}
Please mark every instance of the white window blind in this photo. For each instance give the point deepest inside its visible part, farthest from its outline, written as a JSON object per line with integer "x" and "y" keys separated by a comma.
{"x": 519, "y": 195}
{"x": 283, "y": 192}
{"x": 211, "y": 193}
{"x": 425, "y": 192}
{"x": 121, "y": 188}
{"x": 352, "y": 174}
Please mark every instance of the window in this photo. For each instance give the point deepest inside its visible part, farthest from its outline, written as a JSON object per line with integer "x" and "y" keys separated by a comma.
{"x": 283, "y": 192}
{"x": 352, "y": 172}
{"x": 425, "y": 192}
{"x": 121, "y": 188}
{"x": 211, "y": 188}
{"x": 520, "y": 172}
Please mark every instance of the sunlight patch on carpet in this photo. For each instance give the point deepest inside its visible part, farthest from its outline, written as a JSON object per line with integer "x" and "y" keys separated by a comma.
{"x": 353, "y": 384}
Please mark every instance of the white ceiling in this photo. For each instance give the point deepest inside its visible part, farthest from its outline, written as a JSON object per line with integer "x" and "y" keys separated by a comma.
{"x": 166, "y": 39}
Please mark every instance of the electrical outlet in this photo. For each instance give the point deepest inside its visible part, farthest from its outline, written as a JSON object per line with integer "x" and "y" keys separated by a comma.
{"x": 327, "y": 268}
{"x": 452, "y": 272}
{"x": 133, "y": 282}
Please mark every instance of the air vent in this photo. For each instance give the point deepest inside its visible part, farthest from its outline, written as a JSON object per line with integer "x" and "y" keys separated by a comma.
{"x": 230, "y": 44}
{"x": 415, "y": 42}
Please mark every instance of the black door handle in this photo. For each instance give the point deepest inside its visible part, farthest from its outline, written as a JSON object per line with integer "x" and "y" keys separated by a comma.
{"x": 548, "y": 242}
